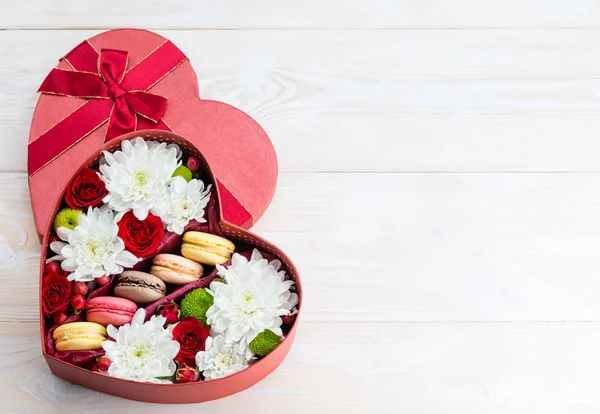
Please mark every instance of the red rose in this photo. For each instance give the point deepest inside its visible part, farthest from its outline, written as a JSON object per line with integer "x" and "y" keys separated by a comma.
{"x": 170, "y": 311}
{"x": 86, "y": 190}
{"x": 56, "y": 293}
{"x": 186, "y": 374}
{"x": 141, "y": 238}
{"x": 191, "y": 335}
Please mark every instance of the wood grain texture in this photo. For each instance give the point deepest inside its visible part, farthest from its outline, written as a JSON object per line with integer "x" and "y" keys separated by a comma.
{"x": 301, "y": 14}
{"x": 331, "y": 100}
{"x": 439, "y": 193}
{"x": 451, "y": 368}
{"x": 400, "y": 247}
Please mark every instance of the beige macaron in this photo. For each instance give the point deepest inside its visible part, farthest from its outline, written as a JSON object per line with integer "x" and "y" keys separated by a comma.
{"x": 206, "y": 248}
{"x": 79, "y": 336}
{"x": 176, "y": 270}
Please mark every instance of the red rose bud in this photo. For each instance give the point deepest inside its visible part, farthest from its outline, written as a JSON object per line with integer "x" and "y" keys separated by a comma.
{"x": 193, "y": 163}
{"x": 86, "y": 190}
{"x": 169, "y": 311}
{"x": 186, "y": 374}
{"x": 56, "y": 293}
{"x": 60, "y": 318}
{"x": 52, "y": 267}
{"x": 103, "y": 364}
{"x": 80, "y": 288}
{"x": 78, "y": 302}
{"x": 141, "y": 237}
{"x": 288, "y": 319}
{"x": 103, "y": 280}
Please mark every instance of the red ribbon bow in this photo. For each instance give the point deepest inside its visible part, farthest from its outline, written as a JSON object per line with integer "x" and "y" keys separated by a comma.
{"x": 114, "y": 94}
{"x": 108, "y": 84}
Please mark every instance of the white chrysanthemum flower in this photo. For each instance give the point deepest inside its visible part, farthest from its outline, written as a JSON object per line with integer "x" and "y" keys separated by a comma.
{"x": 142, "y": 351}
{"x": 220, "y": 358}
{"x": 137, "y": 177}
{"x": 253, "y": 298}
{"x": 93, "y": 248}
{"x": 185, "y": 201}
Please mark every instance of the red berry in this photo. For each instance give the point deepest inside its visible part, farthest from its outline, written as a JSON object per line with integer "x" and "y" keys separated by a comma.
{"x": 78, "y": 302}
{"x": 103, "y": 364}
{"x": 288, "y": 319}
{"x": 79, "y": 288}
{"x": 193, "y": 163}
{"x": 53, "y": 239}
{"x": 95, "y": 368}
{"x": 52, "y": 267}
{"x": 103, "y": 280}
{"x": 59, "y": 318}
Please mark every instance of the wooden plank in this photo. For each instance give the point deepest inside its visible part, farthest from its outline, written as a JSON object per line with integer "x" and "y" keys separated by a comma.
{"x": 400, "y": 247}
{"x": 372, "y": 100}
{"x": 449, "y": 368}
{"x": 306, "y": 14}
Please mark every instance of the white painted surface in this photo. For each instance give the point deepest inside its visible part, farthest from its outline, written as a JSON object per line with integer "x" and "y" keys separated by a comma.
{"x": 440, "y": 193}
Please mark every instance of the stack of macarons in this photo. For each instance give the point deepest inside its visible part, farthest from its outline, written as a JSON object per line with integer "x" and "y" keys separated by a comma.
{"x": 135, "y": 288}
{"x": 198, "y": 247}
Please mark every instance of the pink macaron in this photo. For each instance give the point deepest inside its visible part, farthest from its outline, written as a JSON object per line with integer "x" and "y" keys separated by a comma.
{"x": 109, "y": 310}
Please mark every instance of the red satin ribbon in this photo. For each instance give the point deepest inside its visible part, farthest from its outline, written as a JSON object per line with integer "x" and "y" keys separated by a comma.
{"x": 114, "y": 95}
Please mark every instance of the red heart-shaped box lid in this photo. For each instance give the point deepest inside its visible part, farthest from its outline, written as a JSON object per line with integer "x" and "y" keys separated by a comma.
{"x": 65, "y": 366}
{"x": 81, "y": 107}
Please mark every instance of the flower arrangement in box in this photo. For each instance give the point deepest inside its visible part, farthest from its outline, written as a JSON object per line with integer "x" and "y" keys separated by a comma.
{"x": 143, "y": 282}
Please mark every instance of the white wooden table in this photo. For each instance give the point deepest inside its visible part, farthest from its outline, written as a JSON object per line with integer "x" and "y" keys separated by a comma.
{"x": 439, "y": 191}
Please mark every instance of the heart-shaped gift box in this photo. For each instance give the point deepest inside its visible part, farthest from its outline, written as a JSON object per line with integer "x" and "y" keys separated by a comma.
{"x": 172, "y": 393}
{"x": 132, "y": 79}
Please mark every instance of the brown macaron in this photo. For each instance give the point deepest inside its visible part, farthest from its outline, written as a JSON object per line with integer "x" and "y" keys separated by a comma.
{"x": 140, "y": 287}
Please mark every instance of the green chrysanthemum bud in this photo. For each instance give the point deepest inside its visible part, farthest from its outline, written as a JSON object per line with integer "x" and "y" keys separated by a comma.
{"x": 265, "y": 342}
{"x": 67, "y": 217}
{"x": 196, "y": 303}
{"x": 184, "y": 172}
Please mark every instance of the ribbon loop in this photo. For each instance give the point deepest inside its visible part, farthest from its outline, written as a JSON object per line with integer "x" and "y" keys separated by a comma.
{"x": 114, "y": 94}
{"x": 146, "y": 104}
{"x": 107, "y": 83}
{"x": 112, "y": 65}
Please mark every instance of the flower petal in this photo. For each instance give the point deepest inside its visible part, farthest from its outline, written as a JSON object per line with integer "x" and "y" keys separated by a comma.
{"x": 57, "y": 246}
{"x": 63, "y": 232}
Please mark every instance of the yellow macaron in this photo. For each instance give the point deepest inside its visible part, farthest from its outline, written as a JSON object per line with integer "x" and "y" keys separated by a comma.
{"x": 79, "y": 336}
{"x": 206, "y": 248}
